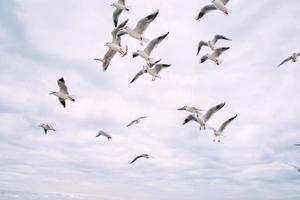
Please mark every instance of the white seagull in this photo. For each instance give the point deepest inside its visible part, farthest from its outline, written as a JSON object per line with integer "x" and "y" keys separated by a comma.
{"x": 103, "y": 134}
{"x": 119, "y": 7}
{"x": 140, "y": 28}
{"x": 218, "y": 133}
{"x": 202, "y": 119}
{"x": 211, "y": 43}
{"x": 149, "y": 48}
{"x": 147, "y": 156}
{"x": 191, "y": 109}
{"x": 63, "y": 93}
{"x": 214, "y": 56}
{"x": 216, "y": 5}
{"x": 47, "y": 127}
{"x": 293, "y": 58}
{"x": 151, "y": 69}
{"x": 111, "y": 53}
{"x": 136, "y": 121}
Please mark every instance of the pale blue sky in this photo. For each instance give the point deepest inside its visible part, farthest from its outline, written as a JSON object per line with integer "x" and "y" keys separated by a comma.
{"x": 42, "y": 41}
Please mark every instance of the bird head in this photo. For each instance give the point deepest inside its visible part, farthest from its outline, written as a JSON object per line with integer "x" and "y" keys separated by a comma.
{"x": 135, "y": 54}
{"x": 183, "y": 108}
{"x": 53, "y": 93}
{"x": 114, "y": 5}
{"x": 106, "y": 44}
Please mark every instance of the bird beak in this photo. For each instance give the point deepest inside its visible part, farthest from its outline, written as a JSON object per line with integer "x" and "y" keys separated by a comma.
{"x": 51, "y": 93}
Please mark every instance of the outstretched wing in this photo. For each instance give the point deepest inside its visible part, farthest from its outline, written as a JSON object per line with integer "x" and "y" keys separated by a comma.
{"x": 154, "y": 43}
{"x": 158, "y": 67}
{"x": 62, "y": 102}
{"x": 212, "y": 111}
{"x": 219, "y": 51}
{"x": 121, "y": 2}
{"x": 220, "y": 37}
{"x": 116, "y": 15}
{"x": 62, "y": 86}
{"x": 203, "y": 59}
{"x": 189, "y": 118}
{"x": 200, "y": 44}
{"x": 285, "y": 60}
{"x": 143, "y": 24}
{"x": 135, "y": 159}
{"x": 143, "y": 117}
{"x": 118, "y": 28}
{"x": 205, "y": 10}
{"x": 223, "y": 126}
{"x": 132, "y": 122}
{"x": 225, "y": 2}
{"x": 140, "y": 73}
{"x": 107, "y": 58}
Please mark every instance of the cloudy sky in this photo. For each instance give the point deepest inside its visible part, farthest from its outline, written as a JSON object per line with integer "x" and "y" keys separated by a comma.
{"x": 41, "y": 41}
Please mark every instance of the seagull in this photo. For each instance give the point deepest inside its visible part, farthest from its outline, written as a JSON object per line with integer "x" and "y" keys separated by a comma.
{"x": 120, "y": 6}
{"x": 140, "y": 28}
{"x": 136, "y": 121}
{"x": 218, "y": 133}
{"x": 111, "y": 53}
{"x": 214, "y": 56}
{"x": 211, "y": 43}
{"x": 152, "y": 69}
{"x": 147, "y": 51}
{"x": 104, "y": 134}
{"x": 147, "y": 156}
{"x": 202, "y": 119}
{"x": 47, "y": 127}
{"x": 297, "y": 168}
{"x": 191, "y": 109}
{"x": 293, "y": 58}
{"x": 63, "y": 93}
{"x": 216, "y": 5}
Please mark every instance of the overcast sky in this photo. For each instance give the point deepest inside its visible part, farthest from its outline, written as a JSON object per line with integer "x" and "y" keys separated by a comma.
{"x": 41, "y": 41}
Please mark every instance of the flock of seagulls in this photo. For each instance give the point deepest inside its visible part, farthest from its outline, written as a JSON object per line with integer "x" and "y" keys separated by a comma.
{"x": 153, "y": 66}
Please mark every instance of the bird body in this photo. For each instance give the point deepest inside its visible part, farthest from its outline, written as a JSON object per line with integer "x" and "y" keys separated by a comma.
{"x": 211, "y": 43}
{"x": 216, "y": 5}
{"x": 190, "y": 109}
{"x": 104, "y": 134}
{"x": 220, "y": 5}
{"x": 47, "y": 127}
{"x": 218, "y": 132}
{"x": 214, "y": 55}
{"x": 115, "y": 47}
{"x": 63, "y": 93}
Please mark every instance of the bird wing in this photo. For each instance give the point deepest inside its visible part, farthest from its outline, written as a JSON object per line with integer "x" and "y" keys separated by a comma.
{"x": 219, "y": 51}
{"x": 200, "y": 44}
{"x": 154, "y": 43}
{"x": 132, "y": 122}
{"x": 99, "y": 133}
{"x": 45, "y": 130}
{"x": 107, "y": 58}
{"x": 212, "y": 111}
{"x": 136, "y": 159}
{"x": 190, "y": 118}
{"x": 62, "y": 86}
{"x": 116, "y": 15}
{"x": 62, "y": 101}
{"x": 219, "y": 37}
{"x": 298, "y": 54}
{"x": 205, "y": 10}
{"x": 223, "y": 126}
{"x": 118, "y": 28}
{"x": 144, "y": 22}
{"x": 285, "y": 60}
{"x": 225, "y": 1}
{"x": 143, "y": 117}
{"x": 158, "y": 67}
{"x": 140, "y": 73}
{"x": 203, "y": 59}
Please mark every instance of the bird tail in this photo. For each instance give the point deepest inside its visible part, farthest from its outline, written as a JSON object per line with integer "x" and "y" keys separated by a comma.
{"x": 228, "y": 11}
{"x": 128, "y": 9}
{"x": 72, "y": 98}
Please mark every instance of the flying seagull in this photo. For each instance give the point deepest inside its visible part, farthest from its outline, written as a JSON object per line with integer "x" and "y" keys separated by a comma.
{"x": 147, "y": 156}
{"x": 140, "y": 28}
{"x": 63, "y": 93}
{"x": 211, "y": 43}
{"x": 119, "y": 7}
{"x": 111, "y": 53}
{"x": 293, "y": 58}
{"x": 218, "y": 133}
{"x": 151, "y": 69}
{"x": 136, "y": 121}
{"x": 216, "y": 5}
{"x": 47, "y": 127}
{"x": 190, "y": 109}
{"x": 103, "y": 134}
{"x": 214, "y": 56}
{"x": 297, "y": 168}
{"x": 149, "y": 48}
{"x": 202, "y": 119}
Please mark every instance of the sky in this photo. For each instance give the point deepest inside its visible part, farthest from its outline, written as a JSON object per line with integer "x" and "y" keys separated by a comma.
{"x": 42, "y": 41}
